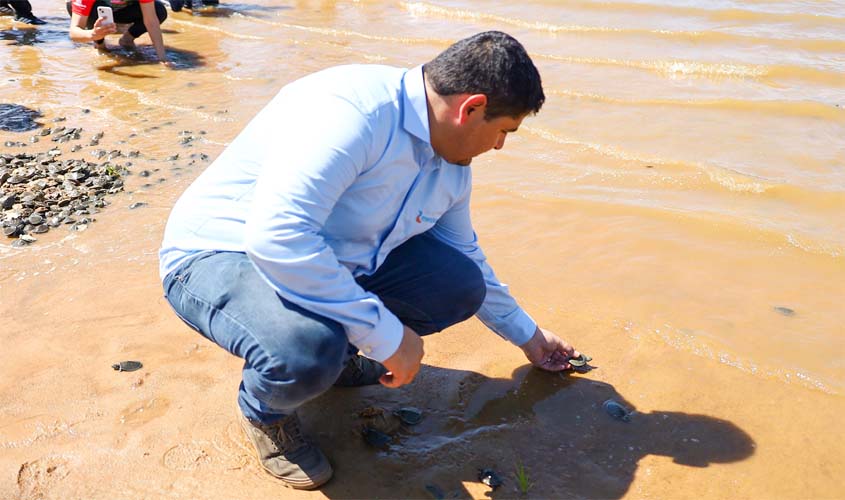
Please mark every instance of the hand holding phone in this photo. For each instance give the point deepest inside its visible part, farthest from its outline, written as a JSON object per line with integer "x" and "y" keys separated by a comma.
{"x": 106, "y": 14}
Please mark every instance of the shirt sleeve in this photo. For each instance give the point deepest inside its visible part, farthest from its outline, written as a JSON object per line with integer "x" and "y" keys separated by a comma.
{"x": 82, "y": 7}
{"x": 311, "y": 164}
{"x": 499, "y": 311}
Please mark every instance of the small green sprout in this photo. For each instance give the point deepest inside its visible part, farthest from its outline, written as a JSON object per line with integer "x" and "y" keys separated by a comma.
{"x": 112, "y": 171}
{"x": 522, "y": 480}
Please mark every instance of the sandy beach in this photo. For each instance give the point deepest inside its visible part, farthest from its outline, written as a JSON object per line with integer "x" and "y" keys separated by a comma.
{"x": 75, "y": 428}
{"x": 652, "y": 214}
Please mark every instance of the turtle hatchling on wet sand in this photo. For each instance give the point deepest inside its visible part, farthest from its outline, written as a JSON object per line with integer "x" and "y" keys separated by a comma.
{"x": 616, "y": 410}
{"x": 378, "y": 425}
{"x": 375, "y": 437}
{"x": 379, "y": 419}
{"x": 490, "y": 478}
{"x": 408, "y": 415}
{"x": 580, "y": 364}
{"x": 127, "y": 366}
{"x": 581, "y": 360}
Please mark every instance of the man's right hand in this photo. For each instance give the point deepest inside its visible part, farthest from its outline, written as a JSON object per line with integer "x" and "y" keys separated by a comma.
{"x": 403, "y": 366}
{"x": 100, "y": 30}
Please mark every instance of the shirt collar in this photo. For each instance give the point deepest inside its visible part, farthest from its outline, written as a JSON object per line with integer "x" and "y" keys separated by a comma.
{"x": 415, "y": 121}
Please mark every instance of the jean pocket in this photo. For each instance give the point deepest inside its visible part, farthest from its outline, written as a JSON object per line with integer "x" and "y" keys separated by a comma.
{"x": 175, "y": 293}
{"x": 179, "y": 305}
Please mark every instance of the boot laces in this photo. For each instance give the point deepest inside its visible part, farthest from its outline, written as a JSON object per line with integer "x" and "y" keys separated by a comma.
{"x": 289, "y": 437}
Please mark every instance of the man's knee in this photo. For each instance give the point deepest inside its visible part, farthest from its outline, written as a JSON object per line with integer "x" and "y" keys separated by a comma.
{"x": 470, "y": 289}
{"x": 457, "y": 298}
{"x": 303, "y": 367}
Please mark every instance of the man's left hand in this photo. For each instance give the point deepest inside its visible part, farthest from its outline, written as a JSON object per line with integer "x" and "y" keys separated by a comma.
{"x": 548, "y": 351}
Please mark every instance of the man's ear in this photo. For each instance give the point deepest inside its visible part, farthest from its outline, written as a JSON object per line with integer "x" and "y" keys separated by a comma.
{"x": 472, "y": 104}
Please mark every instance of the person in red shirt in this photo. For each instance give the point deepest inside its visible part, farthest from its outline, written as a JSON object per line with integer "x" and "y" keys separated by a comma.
{"x": 143, "y": 15}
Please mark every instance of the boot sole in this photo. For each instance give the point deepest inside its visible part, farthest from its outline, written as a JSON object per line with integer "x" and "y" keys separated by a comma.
{"x": 304, "y": 484}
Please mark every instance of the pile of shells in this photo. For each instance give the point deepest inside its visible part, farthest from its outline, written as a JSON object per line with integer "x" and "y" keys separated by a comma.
{"x": 40, "y": 191}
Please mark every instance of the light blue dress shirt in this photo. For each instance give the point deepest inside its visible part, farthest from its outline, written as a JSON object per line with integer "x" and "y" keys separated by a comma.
{"x": 331, "y": 176}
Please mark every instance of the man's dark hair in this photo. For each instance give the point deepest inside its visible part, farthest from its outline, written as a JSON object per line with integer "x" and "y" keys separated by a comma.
{"x": 491, "y": 63}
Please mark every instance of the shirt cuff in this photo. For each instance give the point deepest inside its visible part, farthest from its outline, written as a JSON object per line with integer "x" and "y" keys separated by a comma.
{"x": 521, "y": 328}
{"x": 381, "y": 342}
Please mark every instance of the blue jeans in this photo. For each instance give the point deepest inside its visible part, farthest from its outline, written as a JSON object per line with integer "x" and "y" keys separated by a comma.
{"x": 292, "y": 355}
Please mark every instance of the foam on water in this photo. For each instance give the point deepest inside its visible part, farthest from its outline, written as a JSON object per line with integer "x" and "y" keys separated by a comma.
{"x": 803, "y": 109}
{"x": 719, "y": 37}
{"x": 691, "y": 341}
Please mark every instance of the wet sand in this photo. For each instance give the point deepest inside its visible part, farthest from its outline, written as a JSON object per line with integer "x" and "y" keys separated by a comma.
{"x": 74, "y": 428}
{"x": 652, "y": 214}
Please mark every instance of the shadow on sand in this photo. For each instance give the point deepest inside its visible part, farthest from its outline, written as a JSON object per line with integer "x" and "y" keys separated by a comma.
{"x": 17, "y": 118}
{"x": 25, "y": 35}
{"x": 120, "y": 58}
{"x": 551, "y": 423}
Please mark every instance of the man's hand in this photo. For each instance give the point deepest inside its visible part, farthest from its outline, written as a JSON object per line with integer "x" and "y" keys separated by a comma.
{"x": 548, "y": 351}
{"x": 100, "y": 30}
{"x": 403, "y": 366}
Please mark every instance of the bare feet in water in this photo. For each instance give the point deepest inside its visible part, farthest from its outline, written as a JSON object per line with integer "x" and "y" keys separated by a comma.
{"x": 126, "y": 41}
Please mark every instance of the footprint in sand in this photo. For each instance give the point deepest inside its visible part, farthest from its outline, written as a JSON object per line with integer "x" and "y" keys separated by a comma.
{"x": 38, "y": 477}
{"x": 143, "y": 411}
{"x": 235, "y": 451}
{"x": 237, "y": 454}
{"x": 186, "y": 456}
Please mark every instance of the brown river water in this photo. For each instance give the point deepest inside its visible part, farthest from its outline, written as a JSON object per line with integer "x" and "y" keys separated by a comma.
{"x": 676, "y": 210}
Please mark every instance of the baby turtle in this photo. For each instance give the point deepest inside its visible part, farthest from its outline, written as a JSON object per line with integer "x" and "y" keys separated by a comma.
{"x": 490, "y": 478}
{"x": 379, "y": 419}
{"x": 127, "y": 366}
{"x": 408, "y": 415}
{"x": 784, "y": 310}
{"x": 375, "y": 437}
{"x": 616, "y": 410}
{"x": 581, "y": 360}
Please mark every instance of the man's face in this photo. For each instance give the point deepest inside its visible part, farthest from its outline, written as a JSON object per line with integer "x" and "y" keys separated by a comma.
{"x": 478, "y": 135}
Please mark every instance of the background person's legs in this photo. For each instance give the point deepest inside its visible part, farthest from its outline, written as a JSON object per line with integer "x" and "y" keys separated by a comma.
{"x": 132, "y": 14}
{"x": 23, "y": 12}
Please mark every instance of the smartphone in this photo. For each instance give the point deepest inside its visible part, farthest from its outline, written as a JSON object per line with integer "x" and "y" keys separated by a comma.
{"x": 106, "y": 14}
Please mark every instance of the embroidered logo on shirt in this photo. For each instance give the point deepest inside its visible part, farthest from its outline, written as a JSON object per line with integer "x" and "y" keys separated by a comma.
{"x": 422, "y": 218}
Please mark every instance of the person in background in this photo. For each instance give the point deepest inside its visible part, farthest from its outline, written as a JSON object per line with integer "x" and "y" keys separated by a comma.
{"x": 143, "y": 15}
{"x": 22, "y": 11}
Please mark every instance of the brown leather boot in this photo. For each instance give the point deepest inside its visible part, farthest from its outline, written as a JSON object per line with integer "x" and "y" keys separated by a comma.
{"x": 285, "y": 453}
